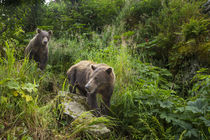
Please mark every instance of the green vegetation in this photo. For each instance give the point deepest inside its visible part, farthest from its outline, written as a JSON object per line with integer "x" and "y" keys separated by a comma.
{"x": 159, "y": 50}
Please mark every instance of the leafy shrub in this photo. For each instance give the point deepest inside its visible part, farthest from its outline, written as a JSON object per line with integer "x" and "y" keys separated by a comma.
{"x": 11, "y": 32}
{"x": 99, "y": 13}
{"x": 147, "y": 102}
{"x": 167, "y": 24}
{"x": 135, "y": 12}
{"x": 22, "y": 113}
{"x": 195, "y": 29}
{"x": 152, "y": 95}
{"x": 80, "y": 17}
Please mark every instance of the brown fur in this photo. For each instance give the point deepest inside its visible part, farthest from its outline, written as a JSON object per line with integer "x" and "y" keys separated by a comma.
{"x": 37, "y": 48}
{"x": 90, "y": 79}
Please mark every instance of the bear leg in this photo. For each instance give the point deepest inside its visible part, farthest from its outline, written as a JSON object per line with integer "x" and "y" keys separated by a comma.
{"x": 42, "y": 58}
{"x": 105, "y": 105}
{"x": 92, "y": 101}
{"x": 72, "y": 81}
{"x": 93, "y": 104}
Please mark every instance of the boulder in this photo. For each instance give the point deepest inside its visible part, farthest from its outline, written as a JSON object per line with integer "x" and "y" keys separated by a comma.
{"x": 74, "y": 106}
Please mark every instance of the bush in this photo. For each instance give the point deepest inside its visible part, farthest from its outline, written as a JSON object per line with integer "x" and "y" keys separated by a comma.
{"x": 149, "y": 102}
{"x": 82, "y": 17}
{"x": 195, "y": 29}
{"x": 23, "y": 114}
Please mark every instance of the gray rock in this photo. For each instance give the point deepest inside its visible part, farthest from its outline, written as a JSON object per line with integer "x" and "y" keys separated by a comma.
{"x": 74, "y": 106}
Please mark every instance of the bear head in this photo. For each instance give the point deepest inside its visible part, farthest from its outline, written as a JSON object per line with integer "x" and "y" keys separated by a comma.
{"x": 100, "y": 79}
{"x": 43, "y": 36}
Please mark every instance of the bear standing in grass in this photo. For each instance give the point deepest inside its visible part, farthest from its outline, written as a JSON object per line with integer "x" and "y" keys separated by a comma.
{"x": 90, "y": 79}
{"x": 37, "y": 48}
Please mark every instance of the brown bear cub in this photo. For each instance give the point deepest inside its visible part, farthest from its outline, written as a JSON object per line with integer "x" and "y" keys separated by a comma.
{"x": 37, "y": 48}
{"x": 90, "y": 79}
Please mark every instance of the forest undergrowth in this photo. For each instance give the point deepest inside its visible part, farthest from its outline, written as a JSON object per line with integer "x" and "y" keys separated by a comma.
{"x": 159, "y": 50}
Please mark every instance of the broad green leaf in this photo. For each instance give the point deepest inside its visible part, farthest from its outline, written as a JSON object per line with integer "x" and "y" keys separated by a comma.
{"x": 193, "y": 109}
{"x": 29, "y": 87}
{"x": 192, "y": 132}
{"x": 197, "y": 106}
{"x": 167, "y": 117}
{"x": 166, "y": 104}
{"x": 206, "y": 122}
{"x": 182, "y": 124}
{"x": 181, "y": 109}
{"x": 13, "y": 85}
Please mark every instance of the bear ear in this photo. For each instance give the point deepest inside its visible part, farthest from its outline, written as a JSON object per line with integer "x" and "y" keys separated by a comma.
{"x": 109, "y": 70}
{"x": 93, "y": 67}
{"x": 50, "y": 32}
{"x": 38, "y": 30}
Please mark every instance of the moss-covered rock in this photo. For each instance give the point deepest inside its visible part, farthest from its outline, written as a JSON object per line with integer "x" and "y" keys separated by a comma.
{"x": 75, "y": 107}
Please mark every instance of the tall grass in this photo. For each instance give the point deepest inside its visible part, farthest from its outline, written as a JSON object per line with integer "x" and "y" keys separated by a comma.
{"x": 144, "y": 94}
{"x": 27, "y": 111}
{"x": 21, "y": 113}
{"x": 144, "y": 104}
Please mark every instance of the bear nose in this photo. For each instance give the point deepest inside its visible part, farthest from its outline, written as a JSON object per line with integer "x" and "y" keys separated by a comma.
{"x": 45, "y": 42}
{"x": 87, "y": 88}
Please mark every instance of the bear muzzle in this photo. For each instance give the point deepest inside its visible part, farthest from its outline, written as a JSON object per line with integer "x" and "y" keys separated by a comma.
{"x": 90, "y": 87}
{"x": 45, "y": 41}
{"x": 87, "y": 88}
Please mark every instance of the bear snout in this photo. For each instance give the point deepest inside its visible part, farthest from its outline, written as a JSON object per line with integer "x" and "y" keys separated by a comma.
{"x": 87, "y": 88}
{"x": 90, "y": 87}
{"x": 45, "y": 41}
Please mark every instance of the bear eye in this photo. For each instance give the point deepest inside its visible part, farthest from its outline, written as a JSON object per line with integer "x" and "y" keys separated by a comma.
{"x": 96, "y": 78}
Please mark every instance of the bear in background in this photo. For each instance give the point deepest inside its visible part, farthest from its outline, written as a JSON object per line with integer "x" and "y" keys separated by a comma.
{"x": 90, "y": 79}
{"x": 37, "y": 48}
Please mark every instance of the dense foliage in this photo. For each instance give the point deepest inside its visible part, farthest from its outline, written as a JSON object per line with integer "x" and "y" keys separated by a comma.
{"x": 159, "y": 50}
